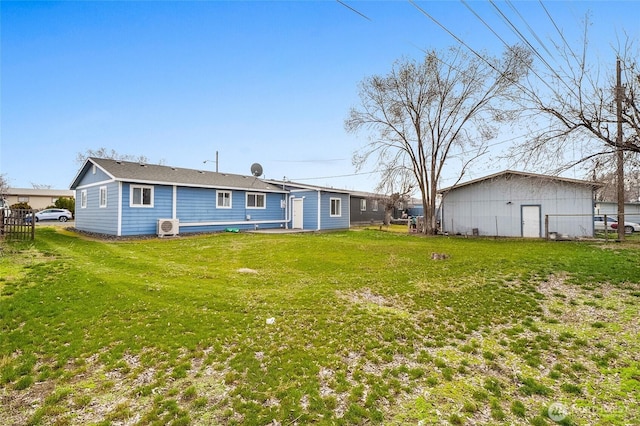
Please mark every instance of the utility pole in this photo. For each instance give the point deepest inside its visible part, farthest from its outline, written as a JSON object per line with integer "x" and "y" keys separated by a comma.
{"x": 619, "y": 152}
{"x": 209, "y": 161}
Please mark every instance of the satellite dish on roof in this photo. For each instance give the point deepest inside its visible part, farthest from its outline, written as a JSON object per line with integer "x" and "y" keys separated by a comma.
{"x": 256, "y": 169}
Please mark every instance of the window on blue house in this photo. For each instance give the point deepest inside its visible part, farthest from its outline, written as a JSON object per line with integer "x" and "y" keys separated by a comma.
{"x": 83, "y": 199}
{"x": 103, "y": 196}
{"x": 224, "y": 199}
{"x": 255, "y": 201}
{"x": 336, "y": 207}
{"x": 141, "y": 196}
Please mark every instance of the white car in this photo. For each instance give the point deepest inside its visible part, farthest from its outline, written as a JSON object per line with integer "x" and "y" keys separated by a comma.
{"x": 630, "y": 227}
{"x": 612, "y": 224}
{"x": 62, "y": 215}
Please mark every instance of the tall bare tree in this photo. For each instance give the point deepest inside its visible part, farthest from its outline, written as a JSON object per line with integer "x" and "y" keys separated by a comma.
{"x": 422, "y": 114}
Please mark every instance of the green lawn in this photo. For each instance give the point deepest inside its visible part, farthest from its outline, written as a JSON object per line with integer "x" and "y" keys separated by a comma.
{"x": 358, "y": 327}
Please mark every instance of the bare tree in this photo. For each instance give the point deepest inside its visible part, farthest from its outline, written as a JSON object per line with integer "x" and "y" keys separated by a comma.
{"x": 579, "y": 114}
{"x": 604, "y": 172}
{"x": 40, "y": 186}
{"x": 110, "y": 154}
{"x": 4, "y": 185}
{"x": 397, "y": 185}
{"x": 571, "y": 110}
{"x": 423, "y": 114}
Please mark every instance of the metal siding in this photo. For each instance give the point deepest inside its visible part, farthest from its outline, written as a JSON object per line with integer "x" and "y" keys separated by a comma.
{"x": 93, "y": 218}
{"x": 631, "y": 210}
{"x": 493, "y": 206}
{"x": 328, "y": 222}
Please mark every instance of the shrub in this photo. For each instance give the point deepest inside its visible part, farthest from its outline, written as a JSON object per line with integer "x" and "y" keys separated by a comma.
{"x": 66, "y": 203}
{"x": 22, "y": 205}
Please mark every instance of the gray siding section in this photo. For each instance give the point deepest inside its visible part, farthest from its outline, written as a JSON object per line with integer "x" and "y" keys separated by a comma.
{"x": 93, "y": 218}
{"x": 494, "y": 207}
{"x": 368, "y": 215}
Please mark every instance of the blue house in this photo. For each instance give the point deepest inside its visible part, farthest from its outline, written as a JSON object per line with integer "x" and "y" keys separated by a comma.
{"x": 125, "y": 198}
{"x": 317, "y": 208}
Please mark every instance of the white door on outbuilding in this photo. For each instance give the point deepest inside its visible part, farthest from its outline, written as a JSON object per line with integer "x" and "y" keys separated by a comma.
{"x": 297, "y": 213}
{"x": 531, "y": 221}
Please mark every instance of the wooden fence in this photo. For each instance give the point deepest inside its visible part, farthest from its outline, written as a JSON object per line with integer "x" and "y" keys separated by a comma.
{"x": 17, "y": 224}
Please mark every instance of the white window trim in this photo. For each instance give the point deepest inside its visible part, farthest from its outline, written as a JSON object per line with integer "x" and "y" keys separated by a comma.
{"x": 101, "y": 199}
{"x": 374, "y": 207}
{"x": 339, "y": 213}
{"x": 218, "y": 193}
{"x": 363, "y": 205}
{"x": 83, "y": 199}
{"x": 257, "y": 194}
{"x": 141, "y": 206}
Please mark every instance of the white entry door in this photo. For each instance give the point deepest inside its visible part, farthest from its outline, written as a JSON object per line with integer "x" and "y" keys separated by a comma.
{"x": 297, "y": 213}
{"x": 531, "y": 221}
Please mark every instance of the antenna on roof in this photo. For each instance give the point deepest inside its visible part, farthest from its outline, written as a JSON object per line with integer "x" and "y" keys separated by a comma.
{"x": 256, "y": 169}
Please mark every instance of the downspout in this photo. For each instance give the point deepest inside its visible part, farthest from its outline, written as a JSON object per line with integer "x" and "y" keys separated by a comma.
{"x": 120, "y": 201}
{"x": 320, "y": 210}
{"x": 174, "y": 212}
{"x": 288, "y": 199}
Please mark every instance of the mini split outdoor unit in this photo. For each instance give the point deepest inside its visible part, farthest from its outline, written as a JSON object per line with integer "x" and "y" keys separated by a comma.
{"x": 168, "y": 227}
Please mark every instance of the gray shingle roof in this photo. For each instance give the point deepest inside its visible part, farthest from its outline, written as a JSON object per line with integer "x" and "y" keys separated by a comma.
{"x": 167, "y": 175}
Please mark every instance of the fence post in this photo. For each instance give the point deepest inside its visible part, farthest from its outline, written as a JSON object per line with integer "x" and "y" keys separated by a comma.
{"x": 33, "y": 224}
{"x": 546, "y": 227}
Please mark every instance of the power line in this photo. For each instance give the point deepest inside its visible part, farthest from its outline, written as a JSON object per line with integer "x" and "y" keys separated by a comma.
{"x": 557, "y": 29}
{"x": 531, "y": 30}
{"x": 519, "y": 34}
{"x": 354, "y": 10}
{"x": 337, "y": 176}
{"x": 329, "y": 160}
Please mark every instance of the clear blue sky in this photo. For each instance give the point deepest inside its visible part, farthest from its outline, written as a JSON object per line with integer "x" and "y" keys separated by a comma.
{"x": 267, "y": 82}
